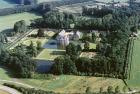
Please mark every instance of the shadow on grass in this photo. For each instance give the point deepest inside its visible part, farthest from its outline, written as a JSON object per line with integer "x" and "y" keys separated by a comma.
{"x": 58, "y": 53}
{"x": 7, "y": 71}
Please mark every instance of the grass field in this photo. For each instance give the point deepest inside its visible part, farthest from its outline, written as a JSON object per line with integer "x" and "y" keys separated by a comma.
{"x": 50, "y": 54}
{"x": 3, "y": 92}
{"x": 7, "y": 22}
{"x": 6, "y": 3}
{"x": 134, "y": 81}
{"x": 74, "y": 84}
{"x": 66, "y": 83}
{"x": 111, "y": 0}
{"x": 92, "y": 46}
{"x": 4, "y": 74}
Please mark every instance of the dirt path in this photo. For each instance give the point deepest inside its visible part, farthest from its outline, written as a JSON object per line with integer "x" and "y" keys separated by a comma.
{"x": 22, "y": 84}
{"x": 9, "y": 90}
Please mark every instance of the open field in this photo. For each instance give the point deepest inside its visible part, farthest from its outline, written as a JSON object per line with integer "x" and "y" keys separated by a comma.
{"x": 106, "y": 1}
{"x": 6, "y": 3}
{"x": 66, "y": 83}
{"x": 3, "y": 92}
{"x": 111, "y": 0}
{"x": 7, "y": 22}
{"x": 134, "y": 81}
{"x": 77, "y": 8}
{"x": 4, "y": 74}
{"x": 74, "y": 84}
{"x": 92, "y": 46}
{"x": 74, "y": 8}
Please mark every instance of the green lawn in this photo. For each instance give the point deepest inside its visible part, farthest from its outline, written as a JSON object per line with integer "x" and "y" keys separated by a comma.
{"x": 92, "y": 46}
{"x": 6, "y": 4}
{"x": 7, "y": 22}
{"x": 50, "y": 54}
{"x": 4, "y": 74}
{"x": 134, "y": 81}
{"x": 3, "y": 92}
{"x": 74, "y": 84}
{"x": 27, "y": 40}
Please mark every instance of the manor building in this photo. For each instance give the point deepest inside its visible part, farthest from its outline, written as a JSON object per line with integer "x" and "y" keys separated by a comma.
{"x": 63, "y": 38}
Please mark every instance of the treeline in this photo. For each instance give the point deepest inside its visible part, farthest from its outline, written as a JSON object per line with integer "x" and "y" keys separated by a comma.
{"x": 111, "y": 50}
{"x": 3, "y": 38}
{"x": 64, "y": 20}
{"x": 96, "y": 12}
{"x": 54, "y": 20}
{"x": 98, "y": 66}
{"x": 105, "y": 23}
{"x": 18, "y": 61}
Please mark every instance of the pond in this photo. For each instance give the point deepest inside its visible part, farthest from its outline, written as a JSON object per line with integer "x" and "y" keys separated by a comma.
{"x": 44, "y": 66}
{"x": 51, "y": 44}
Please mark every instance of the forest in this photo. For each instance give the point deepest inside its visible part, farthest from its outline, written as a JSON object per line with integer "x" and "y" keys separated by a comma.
{"x": 110, "y": 61}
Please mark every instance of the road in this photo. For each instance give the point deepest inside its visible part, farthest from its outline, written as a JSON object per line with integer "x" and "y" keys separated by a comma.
{"x": 19, "y": 38}
{"x": 15, "y": 82}
{"x": 9, "y": 90}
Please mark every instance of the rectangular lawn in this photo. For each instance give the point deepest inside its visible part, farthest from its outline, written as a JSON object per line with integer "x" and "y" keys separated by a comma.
{"x": 50, "y": 54}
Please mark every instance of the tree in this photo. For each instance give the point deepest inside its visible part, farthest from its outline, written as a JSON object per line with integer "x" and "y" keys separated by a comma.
{"x": 39, "y": 47}
{"x": 20, "y": 26}
{"x": 69, "y": 66}
{"x": 117, "y": 90}
{"x": 64, "y": 65}
{"x": 79, "y": 49}
{"x": 84, "y": 64}
{"x": 124, "y": 89}
{"x": 88, "y": 90}
{"x": 21, "y": 63}
{"x": 93, "y": 37}
{"x": 3, "y": 38}
{"x": 86, "y": 46}
{"x": 40, "y": 33}
{"x": 71, "y": 49}
{"x": 32, "y": 49}
{"x": 57, "y": 67}
{"x": 110, "y": 89}
{"x": 101, "y": 90}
